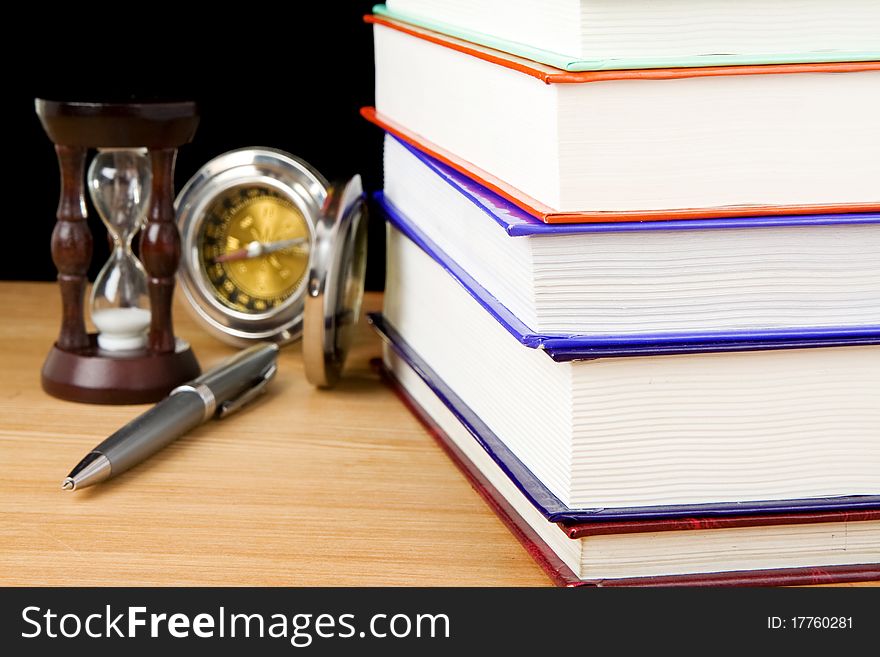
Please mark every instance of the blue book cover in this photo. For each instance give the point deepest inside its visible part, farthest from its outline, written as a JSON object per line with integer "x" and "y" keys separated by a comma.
{"x": 550, "y": 506}
{"x": 516, "y": 222}
{"x": 564, "y": 347}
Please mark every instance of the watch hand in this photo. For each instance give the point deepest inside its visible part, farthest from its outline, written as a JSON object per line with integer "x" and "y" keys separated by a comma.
{"x": 280, "y": 245}
{"x": 255, "y": 249}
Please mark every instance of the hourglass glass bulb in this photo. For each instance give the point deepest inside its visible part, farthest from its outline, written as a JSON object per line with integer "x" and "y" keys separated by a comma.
{"x": 119, "y": 184}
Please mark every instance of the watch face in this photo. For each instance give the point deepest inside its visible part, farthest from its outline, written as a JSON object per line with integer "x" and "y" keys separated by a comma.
{"x": 247, "y": 225}
{"x": 254, "y": 248}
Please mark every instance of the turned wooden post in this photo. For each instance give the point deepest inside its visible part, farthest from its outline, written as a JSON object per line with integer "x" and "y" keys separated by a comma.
{"x": 72, "y": 248}
{"x": 160, "y": 250}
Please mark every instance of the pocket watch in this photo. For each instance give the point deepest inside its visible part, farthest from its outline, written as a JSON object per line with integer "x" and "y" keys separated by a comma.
{"x": 336, "y": 283}
{"x": 262, "y": 232}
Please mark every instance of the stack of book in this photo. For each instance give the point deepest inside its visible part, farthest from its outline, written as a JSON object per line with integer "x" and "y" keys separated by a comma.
{"x": 633, "y": 286}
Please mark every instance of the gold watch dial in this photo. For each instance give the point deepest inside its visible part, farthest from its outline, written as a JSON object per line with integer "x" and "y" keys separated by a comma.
{"x": 254, "y": 248}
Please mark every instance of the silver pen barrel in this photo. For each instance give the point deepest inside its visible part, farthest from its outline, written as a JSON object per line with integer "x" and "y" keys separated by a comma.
{"x": 236, "y": 379}
{"x": 139, "y": 439}
{"x": 237, "y": 373}
{"x": 148, "y": 433}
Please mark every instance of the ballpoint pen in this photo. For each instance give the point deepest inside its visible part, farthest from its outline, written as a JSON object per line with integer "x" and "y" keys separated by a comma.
{"x": 218, "y": 393}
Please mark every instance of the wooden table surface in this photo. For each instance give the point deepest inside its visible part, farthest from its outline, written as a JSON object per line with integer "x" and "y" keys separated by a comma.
{"x": 306, "y": 487}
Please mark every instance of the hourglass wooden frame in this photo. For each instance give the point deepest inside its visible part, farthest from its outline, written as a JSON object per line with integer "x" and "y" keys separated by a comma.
{"x": 76, "y": 369}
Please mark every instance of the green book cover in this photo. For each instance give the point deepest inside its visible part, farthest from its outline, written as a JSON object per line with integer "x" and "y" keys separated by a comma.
{"x": 570, "y": 63}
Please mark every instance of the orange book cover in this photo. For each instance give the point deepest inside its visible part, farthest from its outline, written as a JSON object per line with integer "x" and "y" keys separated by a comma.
{"x": 550, "y": 75}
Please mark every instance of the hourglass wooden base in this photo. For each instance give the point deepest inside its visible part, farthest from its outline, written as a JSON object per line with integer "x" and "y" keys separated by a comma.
{"x": 94, "y": 376}
{"x": 76, "y": 368}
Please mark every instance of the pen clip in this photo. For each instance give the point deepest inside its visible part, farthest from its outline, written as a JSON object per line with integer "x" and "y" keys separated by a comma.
{"x": 230, "y": 406}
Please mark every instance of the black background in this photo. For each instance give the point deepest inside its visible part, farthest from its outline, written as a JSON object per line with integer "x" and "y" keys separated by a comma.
{"x": 263, "y": 74}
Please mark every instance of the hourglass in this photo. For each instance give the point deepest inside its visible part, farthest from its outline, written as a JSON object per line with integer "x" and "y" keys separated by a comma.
{"x": 134, "y": 357}
{"x": 119, "y": 183}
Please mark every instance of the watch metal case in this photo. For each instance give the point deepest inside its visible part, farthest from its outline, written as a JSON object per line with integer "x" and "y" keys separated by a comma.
{"x": 338, "y": 267}
{"x": 293, "y": 178}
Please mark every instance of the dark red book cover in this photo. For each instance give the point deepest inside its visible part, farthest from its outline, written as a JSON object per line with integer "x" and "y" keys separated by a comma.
{"x": 562, "y": 575}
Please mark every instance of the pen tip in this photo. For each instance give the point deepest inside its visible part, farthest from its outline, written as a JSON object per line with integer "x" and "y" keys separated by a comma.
{"x": 68, "y": 484}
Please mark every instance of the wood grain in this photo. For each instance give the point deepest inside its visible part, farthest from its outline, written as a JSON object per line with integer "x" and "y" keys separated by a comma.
{"x": 160, "y": 250}
{"x": 72, "y": 247}
{"x": 306, "y": 487}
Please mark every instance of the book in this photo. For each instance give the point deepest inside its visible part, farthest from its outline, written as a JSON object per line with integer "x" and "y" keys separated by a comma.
{"x": 691, "y": 280}
{"x": 768, "y": 549}
{"x": 635, "y": 145}
{"x": 589, "y": 35}
{"x": 551, "y": 506}
{"x": 685, "y": 431}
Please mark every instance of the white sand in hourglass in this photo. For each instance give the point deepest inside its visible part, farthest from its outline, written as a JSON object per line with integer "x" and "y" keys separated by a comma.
{"x": 121, "y": 329}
